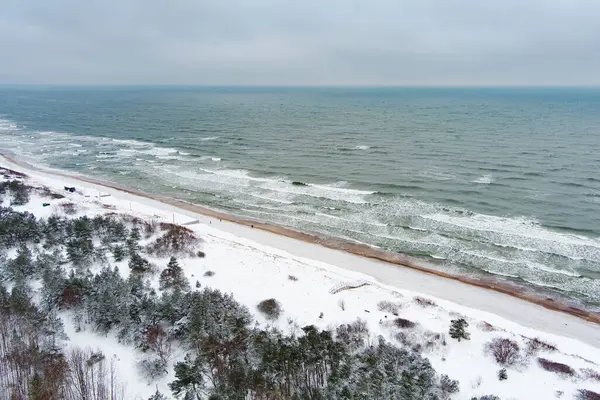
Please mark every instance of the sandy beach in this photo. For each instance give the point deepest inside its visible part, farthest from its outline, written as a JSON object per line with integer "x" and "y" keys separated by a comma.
{"x": 496, "y": 299}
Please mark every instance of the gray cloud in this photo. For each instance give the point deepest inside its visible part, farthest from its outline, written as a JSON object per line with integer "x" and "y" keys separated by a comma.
{"x": 277, "y": 42}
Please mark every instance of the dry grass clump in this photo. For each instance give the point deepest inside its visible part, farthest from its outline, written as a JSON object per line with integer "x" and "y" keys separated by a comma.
{"x": 486, "y": 326}
{"x": 536, "y": 345}
{"x": 69, "y": 208}
{"x": 589, "y": 373}
{"x": 423, "y": 302}
{"x": 389, "y": 307}
{"x": 556, "y": 367}
{"x": 584, "y": 394}
{"x": 270, "y": 308}
{"x": 404, "y": 323}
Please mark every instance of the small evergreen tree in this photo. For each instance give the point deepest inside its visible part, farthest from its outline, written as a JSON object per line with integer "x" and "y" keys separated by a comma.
{"x": 21, "y": 267}
{"x": 448, "y": 385}
{"x": 502, "y": 375}
{"x": 19, "y": 193}
{"x": 138, "y": 264}
{"x": 118, "y": 253}
{"x": 458, "y": 329}
{"x": 157, "y": 396}
{"x": 172, "y": 276}
{"x": 133, "y": 240}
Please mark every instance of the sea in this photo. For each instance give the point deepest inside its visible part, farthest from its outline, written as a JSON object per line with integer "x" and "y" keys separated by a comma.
{"x": 498, "y": 182}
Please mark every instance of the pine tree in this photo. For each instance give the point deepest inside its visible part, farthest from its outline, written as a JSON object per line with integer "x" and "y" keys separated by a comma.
{"x": 36, "y": 388}
{"x": 138, "y": 264}
{"x": 19, "y": 193}
{"x": 133, "y": 239}
{"x": 458, "y": 329}
{"x": 157, "y": 396}
{"x": 118, "y": 253}
{"x": 172, "y": 276}
{"x": 21, "y": 267}
{"x": 502, "y": 375}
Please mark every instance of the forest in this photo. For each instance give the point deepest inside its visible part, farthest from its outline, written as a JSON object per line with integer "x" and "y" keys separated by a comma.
{"x": 66, "y": 265}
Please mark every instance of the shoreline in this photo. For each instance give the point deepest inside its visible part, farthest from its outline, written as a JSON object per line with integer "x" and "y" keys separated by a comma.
{"x": 382, "y": 257}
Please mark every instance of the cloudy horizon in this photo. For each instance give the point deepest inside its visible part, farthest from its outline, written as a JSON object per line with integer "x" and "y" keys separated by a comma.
{"x": 269, "y": 42}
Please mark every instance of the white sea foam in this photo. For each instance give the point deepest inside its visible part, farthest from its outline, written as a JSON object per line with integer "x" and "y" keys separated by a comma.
{"x": 215, "y": 158}
{"x": 362, "y": 147}
{"x": 271, "y": 199}
{"x": 518, "y": 226}
{"x": 159, "y": 151}
{"x": 542, "y": 267}
{"x": 485, "y": 179}
{"x": 208, "y": 138}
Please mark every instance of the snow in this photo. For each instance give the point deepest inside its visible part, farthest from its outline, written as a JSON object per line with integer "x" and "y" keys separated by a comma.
{"x": 256, "y": 265}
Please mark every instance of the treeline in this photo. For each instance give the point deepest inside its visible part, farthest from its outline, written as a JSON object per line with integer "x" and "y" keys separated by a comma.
{"x": 228, "y": 356}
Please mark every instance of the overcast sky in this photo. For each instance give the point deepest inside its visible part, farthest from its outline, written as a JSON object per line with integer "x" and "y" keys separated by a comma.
{"x": 304, "y": 42}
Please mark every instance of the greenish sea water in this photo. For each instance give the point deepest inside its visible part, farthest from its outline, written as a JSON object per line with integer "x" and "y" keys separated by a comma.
{"x": 471, "y": 181}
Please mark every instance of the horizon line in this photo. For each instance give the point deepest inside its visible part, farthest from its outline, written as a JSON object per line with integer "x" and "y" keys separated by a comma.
{"x": 293, "y": 86}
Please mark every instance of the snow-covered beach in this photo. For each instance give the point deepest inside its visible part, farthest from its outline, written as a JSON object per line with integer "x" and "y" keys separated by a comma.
{"x": 314, "y": 284}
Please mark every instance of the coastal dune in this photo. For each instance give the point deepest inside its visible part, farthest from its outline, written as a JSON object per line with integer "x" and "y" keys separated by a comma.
{"x": 501, "y": 303}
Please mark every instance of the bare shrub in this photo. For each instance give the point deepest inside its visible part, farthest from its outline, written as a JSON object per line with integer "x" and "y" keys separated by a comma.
{"x": 486, "y": 326}
{"x": 556, "y": 367}
{"x": 353, "y": 336}
{"x": 423, "y": 302}
{"x": 342, "y": 304}
{"x": 389, "y": 307}
{"x": 152, "y": 367}
{"x": 404, "y": 323}
{"x": 201, "y": 254}
{"x": 157, "y": 341}
{"x": 535, "y": 345}
{"x": 476, "y": 383}
{"x": 69, "y": 208}
{"x": 433, "y": 340}
{"x": 292, "y": 278}
{"x": 46, "y": 192}
{"x": 177, "y": 240}
{"x": 149, "y": 228}
{"x": 209, "y": 273}
{"x": 270, "y": 308}
{"x": 589, "y": 373}
{"x": 584, "y": 394}
{"x": 486, "y": 397}
{"x": 505, "y": 351}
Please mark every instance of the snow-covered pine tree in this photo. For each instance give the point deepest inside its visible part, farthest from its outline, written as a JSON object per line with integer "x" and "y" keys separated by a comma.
{"x": 458, "y": 329}
{"x": 138, "y": 264}
{"x": 118, "y": 252}
{"x": 172, "y": 276}
{"x": 157, "y": 396}
{"x": 502, "y": 375}
{"x": 21, "y": 267}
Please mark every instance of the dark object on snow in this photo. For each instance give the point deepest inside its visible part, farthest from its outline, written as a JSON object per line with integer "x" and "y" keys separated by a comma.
{"x": 70, "y": 189}
{"x": 45, "y": 204}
